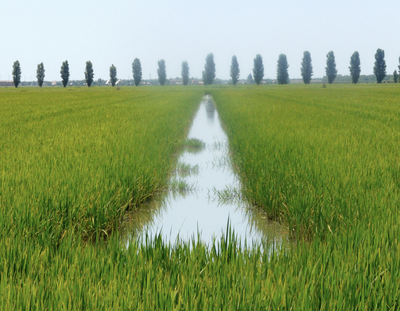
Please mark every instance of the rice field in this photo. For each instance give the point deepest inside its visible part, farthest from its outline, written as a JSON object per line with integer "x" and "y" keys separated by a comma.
{"x": 76, "y": 159}
{"x": 324, "y": 161}
{"x": 320, "y": 159}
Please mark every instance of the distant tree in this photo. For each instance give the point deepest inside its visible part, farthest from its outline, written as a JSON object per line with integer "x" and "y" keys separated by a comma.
{"x": 250, "y": 79}
{"x": 306, "y": 67}
{"x": 185, "y": 72}
{"x": 40, "y": 74}
{"x": 330, "y": 68}
{"x": 204, "y": 77}
{"x": 235, "y": 71}
{"x": 137, "y": 71}
{"x": 113, "y": 75}
{"x": 258, "y": 70}
{"x": 161, "y": 71}
{"x": 64, "y": 73}
{"x": 395, "y": 76}
{"x": 355, "y": 68}
{"x": 16, "y": 73}
{"x": 89, "y": 73}
{"x": 282, "y": 70}
{"x": 399, "y": 65}
{"x": 209, "y": 70}
{"x": 380, "y": 65}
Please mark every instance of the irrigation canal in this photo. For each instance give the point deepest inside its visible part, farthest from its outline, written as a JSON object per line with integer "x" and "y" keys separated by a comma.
{"x": 214, "y": 199}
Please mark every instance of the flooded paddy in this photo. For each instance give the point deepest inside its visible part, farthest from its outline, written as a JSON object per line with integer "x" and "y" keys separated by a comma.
{"x": 205, "y": 194}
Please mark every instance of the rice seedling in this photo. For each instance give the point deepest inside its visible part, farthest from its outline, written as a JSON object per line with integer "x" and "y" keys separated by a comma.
{"x": 185, "y": 170}
{"x": 180, "y": 185}
{"x": 194, "y": 145}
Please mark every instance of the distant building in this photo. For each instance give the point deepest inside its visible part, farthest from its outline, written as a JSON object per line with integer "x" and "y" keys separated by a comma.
{"x": 6, "y": 83}
{"x": 53, "y": 83}
{"x": 175, "y": 81}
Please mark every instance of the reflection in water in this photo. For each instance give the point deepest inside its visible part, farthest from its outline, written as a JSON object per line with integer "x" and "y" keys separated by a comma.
{"x": 210, "y": 108}
{"x": 213, "y": 201}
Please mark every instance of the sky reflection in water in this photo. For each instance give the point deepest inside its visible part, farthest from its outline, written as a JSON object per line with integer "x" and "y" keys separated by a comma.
{"x": 202, "y": 211}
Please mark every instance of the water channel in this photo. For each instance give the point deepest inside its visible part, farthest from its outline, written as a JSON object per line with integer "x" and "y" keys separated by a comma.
{"x": 213, "y": 199}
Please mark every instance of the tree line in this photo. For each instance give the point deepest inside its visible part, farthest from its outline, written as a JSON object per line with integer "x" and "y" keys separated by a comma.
{"x": 208, "y": 74}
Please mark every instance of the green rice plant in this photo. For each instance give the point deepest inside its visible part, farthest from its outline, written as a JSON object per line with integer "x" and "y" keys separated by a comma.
{"x": 77, "y": 159}
{"x": 194, "y": 145}
{"x": 320, "y": 160}
{"x": 180, "y": 185}
{"x": 184, "y": 169}
{"x": 323, "y": 161}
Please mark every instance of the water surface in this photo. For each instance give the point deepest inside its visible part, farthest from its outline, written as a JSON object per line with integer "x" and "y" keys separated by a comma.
{"x": 213, "y": 200}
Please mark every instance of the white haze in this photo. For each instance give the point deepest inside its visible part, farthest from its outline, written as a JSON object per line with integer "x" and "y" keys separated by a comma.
{"x": 116, "y": 32}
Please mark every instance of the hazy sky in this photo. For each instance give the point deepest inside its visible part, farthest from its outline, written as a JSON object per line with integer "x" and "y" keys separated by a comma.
{"x": 117, "y": 31}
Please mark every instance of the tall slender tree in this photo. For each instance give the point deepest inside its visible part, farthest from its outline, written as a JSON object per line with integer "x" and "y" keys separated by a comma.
{"x": 380, "y": 65}
{"x": 395, "y": 76}
{"x": 161, "y": 71}
{"x": 209, "y": 70}
{"x": 354, "y": 67}
{"x": 185, "y": 72}
{"x": 306, "y": 67}
{"x": 40, "y": 74}
{"x": 282, "y": 70}
{"x": 64, "y": 73}
{"x": 113, "y": 75}
{"x": 137, "y": 71}
{"x": 16, "y": 73}
{"x": 89, "y": 73}
{"x": 204, "y": 77}
{"x": 235, "y": 71}
{"x": 258, "y": 69}
{"x": 330, "y": 69}
{"x": 399, "y": 65}
{"x": 250, "y": 79}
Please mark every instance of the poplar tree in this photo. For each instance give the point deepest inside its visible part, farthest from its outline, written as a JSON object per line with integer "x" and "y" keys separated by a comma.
{"x": 161, "y": 71}
{"x": 204, "y": 77}
{"x": 209, "y": 70}
{"x": 282, "y": 70}
{"x": 89, "y": 73}
{"x": 137, "y": 71}
{"x": 395, "y": 76}
{"x": 235, "y": 71}
{"x": 258, "y": 70}
{"x": 16, "y": 73}
{"x": 40, "y": 74}
{"x": 250, "y": 79}
{"x": 380, "y": 65}
{"x": 355, "y": 68}
{"x": 64, "y": 73}
{"x": 330, "y": 68}
{"x": 306, "y": 67}
{"x": 113, "y": 75}
{"x": 185, "y": 72}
